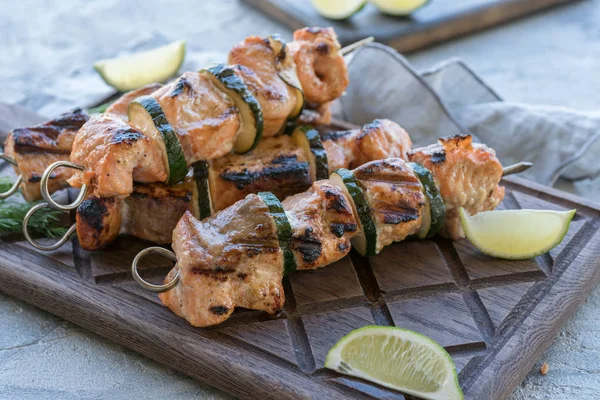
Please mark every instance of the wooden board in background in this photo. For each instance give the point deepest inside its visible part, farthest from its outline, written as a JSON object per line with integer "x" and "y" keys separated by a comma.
{"x": 436, "y": 22}
{"x": 495, "y": 317}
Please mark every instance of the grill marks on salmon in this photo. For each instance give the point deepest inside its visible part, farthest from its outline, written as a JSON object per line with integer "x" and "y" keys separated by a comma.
{"x": 395, "y": 196}
{"x": 114, "y": 155}
{"x": 323, "y": 223}
{"x": 35, "y": 148}
{"x": 231, "y": 259}
{"x": 468, "y": 175}
{"x": 204, "y": 118}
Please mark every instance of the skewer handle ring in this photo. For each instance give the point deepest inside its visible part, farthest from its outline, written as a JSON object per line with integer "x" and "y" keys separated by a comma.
{"x": 149, "y": 286}
{"x": 37, "y": 245}
{"x": 46, "y": 192}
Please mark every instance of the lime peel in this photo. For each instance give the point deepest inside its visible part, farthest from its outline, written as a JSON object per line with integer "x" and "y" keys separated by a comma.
{"x": 338, "y": 9}
{"x": 399, "y": 8}
{"x": 398, "y": 359}
{"x": 136, "y": 70}
{"x": 516, "y": 234}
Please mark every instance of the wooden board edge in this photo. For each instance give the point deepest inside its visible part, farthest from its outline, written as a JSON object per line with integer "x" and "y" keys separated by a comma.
{"x": 503, "y": 376}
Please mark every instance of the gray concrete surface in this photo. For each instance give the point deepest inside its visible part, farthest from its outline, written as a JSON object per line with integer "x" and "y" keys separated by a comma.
{"x": 553, "y": 58}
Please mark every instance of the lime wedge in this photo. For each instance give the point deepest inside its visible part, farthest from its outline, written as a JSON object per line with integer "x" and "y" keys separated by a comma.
{"x": 338, "y": 9}
{"x": 139, "y": 69}
{"x": 398, "y": 7}
{"x": 516, "y": 234}
{"x": 399, "y": 359}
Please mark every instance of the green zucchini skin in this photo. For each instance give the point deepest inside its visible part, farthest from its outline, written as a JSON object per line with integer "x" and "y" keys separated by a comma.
{"x": 432, "y": 191}
{"x": 178, "y": 168}
{"x": 284, "y": 230}
{"x": 317, "y": 150}
{"x": 225, "y": 74}
{"x": 362, "y": 208}
{"x": 201, "y": 179}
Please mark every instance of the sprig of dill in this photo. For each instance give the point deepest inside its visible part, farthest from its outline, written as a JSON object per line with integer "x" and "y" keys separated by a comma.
{"x": 12, "y": 213}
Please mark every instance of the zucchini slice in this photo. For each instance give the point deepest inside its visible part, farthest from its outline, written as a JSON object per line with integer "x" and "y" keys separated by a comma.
{"x": 308, "y": 139}
{"x": 286, "y": 68}
{"x": 434, "y": 206}
{"x": 145, "y": 114}
{"x": 251, "y": 127}
{"x": 366, "y": 242}
{"x": 284, "y": 230}
{"x": 201, "y": 177}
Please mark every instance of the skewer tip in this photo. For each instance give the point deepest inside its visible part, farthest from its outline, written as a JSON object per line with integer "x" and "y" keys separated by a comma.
{"x": 351, "y": 47}
{"x": 516, "y": 168}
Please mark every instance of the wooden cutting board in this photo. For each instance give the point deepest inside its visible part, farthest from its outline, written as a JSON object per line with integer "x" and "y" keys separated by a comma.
{"x": 494, "y": 317}
{"x": 438, "y": 21}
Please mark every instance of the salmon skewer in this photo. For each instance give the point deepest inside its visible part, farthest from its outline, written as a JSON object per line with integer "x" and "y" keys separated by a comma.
{"x": 238, "y": 256}
{"x": 282, "y": 165}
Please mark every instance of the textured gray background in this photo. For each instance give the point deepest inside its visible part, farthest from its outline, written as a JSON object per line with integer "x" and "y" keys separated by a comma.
{"x": 47, "y": 49}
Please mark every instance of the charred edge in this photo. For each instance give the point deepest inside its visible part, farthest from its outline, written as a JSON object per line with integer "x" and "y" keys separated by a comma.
{"x": 336, "y": 202}
{"x": 34, "y": 179}
{"x": 381, "y": 166}
{"x": 455, "y": 138}
{"x": 92, "y": 212}
{"x": 180, "y": 86}
{"x": 338, "y": 229}
{"x": 219, "y": 310}
{"x": 29, "y": 138}
{"x": 335, "y": 135}
{"x": 72, "y": 120}
{"x": 398, "y": 217}
{"x": 285, "y": 159}
{"x": 242, "y": 276}
{"x": 218, "y": 274}
{"x": 310, "y": 247}
{"x": 126, "y": 135}
{"x": 439, "y": 157}
{"x": 368, "y": 128}
{"x": 342, "y": 247}
{"x": 142, "y": 191}
{"x": 296, "y": 171}
{"x": 322, "y": 49}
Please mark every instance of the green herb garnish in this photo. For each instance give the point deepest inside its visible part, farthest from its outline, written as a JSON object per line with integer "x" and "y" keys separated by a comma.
{"x": 12, "y": 213}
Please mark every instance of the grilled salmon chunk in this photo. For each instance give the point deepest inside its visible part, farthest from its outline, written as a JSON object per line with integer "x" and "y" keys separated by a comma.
{"x": 468, "y": 174}
{"x": 231, "y": 259}
{"x": 395, "y": 196}
{"x": 114, "y": 154}
{"x": 120, "y": 106}
{"x": 204, "y": 118}
{"x": 255, "y": 64}
{"x": 277, "y": 165}
{"x": 378, "y": 140}
{"x": 35, "y": 148}
{"x": 322, "y": 222}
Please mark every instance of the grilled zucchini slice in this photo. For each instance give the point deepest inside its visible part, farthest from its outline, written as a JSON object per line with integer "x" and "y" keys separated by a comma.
{"x": 284, "y": 230}
{"x": 366, "y": 242}
{"x": 201, "y": 178}
{"x": 251, "y": 127}
{"x": 309, "y": 140}
{"x": 287, "y": 72}
{"x": 435, "y": 209}
{"x": 145, "y": 114}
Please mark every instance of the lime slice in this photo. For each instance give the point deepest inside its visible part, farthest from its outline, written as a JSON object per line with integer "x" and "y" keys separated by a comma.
{"x": 139, "y": 69}
{"x": 399, "y": 359}
{"x": 338, "y": 9}
{"x": 516, "y": 234}
{"x": 398, "y": 7}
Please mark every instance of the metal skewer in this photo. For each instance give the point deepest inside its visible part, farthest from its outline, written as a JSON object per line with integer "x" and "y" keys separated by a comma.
{"x": 516, "y": 168}
{"x": 351, "y": 47}
{"x": 46, "y": 192}
{"x": 37, "y": 245}
{"x": 15, "y": 185}
{"x": 149, "y": 286}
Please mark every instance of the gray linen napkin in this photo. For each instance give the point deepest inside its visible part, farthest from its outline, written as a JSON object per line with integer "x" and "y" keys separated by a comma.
{"x": 451, "y": 98}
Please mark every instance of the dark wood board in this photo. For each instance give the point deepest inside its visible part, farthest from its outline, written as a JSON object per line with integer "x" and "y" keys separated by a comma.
{"x": 436, "y": 22}
{"x": 495, "y": 317}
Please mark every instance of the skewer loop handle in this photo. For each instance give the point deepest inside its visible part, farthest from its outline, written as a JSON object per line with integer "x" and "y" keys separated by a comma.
{"x": 46, "y": 192}
{"x": 37, "y": 245}
{"x": 15, "y": 186}
{"x": 149, "y": 286}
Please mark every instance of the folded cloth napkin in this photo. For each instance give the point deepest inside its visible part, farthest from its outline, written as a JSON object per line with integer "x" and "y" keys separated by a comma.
{"x": 443, "y": 101}
{"x": 451, "y": 98}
